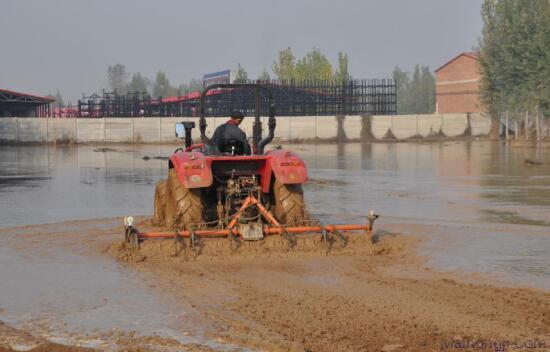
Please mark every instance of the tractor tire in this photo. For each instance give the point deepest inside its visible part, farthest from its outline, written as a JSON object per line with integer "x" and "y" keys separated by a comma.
{"x": 289, "y": 203}
{"x": 161, "y": 195}
{"x": 184, "y": 205}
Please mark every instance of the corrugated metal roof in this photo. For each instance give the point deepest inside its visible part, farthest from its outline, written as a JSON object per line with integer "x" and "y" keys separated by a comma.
{"x": 24, "y": 97}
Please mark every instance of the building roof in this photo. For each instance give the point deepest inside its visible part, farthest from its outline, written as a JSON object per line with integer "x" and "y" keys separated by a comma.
{"x": 470, "y": 54}
{"x": 10, "y": 96}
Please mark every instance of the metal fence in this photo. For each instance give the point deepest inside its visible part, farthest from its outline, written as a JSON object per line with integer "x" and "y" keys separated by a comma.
{"x": 292, "y": 98}
{"x": 354, "y": 97}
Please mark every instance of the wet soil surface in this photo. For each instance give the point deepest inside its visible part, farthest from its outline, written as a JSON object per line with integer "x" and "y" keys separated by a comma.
{"x": 462, "y": 255}
{"x": 368, "y": 297}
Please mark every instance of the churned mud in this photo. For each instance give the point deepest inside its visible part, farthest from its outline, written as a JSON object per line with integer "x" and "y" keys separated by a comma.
{"x": 12, "y": 340}
{"x": 275, "y": 295}
{"x": 16, "y": 340}
{"x": 366, "y": 297}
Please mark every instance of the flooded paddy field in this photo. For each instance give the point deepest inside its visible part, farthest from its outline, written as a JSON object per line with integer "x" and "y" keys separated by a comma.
{"x": 464, "y": 237}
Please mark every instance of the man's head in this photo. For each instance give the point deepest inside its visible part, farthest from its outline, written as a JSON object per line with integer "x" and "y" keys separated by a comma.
{"x": 237, "y": 116}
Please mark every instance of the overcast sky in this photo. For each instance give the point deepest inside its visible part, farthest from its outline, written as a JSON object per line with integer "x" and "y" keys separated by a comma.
{"x": 68, "y": 44}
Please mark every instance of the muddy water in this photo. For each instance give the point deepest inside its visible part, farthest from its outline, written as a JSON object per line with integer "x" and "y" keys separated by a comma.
{"x": 478, "y": 204}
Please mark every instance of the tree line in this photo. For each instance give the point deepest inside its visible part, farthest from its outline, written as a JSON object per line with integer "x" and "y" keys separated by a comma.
{"x": 415, "y": 90}
{"x": 313, "y": 66}
{"x": 122, "y": 82}
{"x": 514, "y": 62}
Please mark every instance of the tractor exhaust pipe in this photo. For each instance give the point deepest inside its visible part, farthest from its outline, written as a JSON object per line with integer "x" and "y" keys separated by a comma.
{"x": 271, "y": 124}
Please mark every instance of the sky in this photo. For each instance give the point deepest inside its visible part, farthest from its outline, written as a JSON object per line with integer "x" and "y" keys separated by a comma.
{"x": 67, "y": 45}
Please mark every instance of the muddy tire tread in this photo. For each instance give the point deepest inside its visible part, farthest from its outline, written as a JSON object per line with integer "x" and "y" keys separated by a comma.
{"x": 289, "y": 203}
{"x": 185, "y": 205}
{"x": 159, "y": 213}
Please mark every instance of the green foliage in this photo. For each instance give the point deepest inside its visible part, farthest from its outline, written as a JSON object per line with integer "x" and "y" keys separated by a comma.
{"x": 241, "y": 75}
{"x": 314, "y": 66}
{"x": 515, "y": 55}
{"x": 342, "y": 73}
{"x": 264, "y": 76}
{"x": 138, "y": 83}
{"x": 416, "y": 92}
{"x": 285, "y": 65}
{"x": 192, "y": 86}
{"x": 162, "y": 87}
{"x": 118, "y": 78}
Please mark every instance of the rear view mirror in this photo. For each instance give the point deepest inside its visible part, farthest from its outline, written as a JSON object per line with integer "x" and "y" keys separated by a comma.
{"x": 180, "y": 131}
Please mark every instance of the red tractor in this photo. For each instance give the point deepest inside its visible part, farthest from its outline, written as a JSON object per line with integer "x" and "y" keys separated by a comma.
{"x": 222, "y": 193}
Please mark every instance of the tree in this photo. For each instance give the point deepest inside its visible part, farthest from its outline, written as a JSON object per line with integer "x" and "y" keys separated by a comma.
{"x": 138, "y": 83}
{"x": 341, "y": 73}
{"x": 118, "y": 78}
{"x": 314, "y": 66}
{"x": 162, "y": 87}
{"x": 427, "y": 93}
{"x": 401, "y": 79}
{"x": 241, "y": 75}
{"x": 515, "y": 57}
{"x": 59, "y": 103}
{"x": 192, "y": 86}
{"x": 284, "y": 67}
{"x": 264, "y": 76}
{"x": 416, "y": 92}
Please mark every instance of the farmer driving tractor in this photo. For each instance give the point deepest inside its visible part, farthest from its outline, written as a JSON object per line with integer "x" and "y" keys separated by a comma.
{"x": 229, "y": 138}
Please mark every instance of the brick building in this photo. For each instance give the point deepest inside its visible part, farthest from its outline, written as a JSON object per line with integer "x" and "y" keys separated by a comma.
{"x": 457, "y": 85}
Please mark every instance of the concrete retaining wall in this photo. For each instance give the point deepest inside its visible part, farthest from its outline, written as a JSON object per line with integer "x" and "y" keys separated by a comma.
{"x": 8, "y": 129}
{"x": 353, "y": 126}
{"x": 119, "y": 130}
{"x": 90, "y": 130}
{"x": 32, "y": 130}
{"x": 146, "y": 130}
{"x": 61, "y": 130}
{"x": 161, "y": 130}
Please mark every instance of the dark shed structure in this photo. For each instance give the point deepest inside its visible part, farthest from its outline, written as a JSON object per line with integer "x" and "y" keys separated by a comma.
{"x": 16, "y": 104}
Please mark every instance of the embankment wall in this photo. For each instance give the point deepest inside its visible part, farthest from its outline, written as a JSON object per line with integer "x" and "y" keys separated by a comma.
{"x": 294, "y": 128}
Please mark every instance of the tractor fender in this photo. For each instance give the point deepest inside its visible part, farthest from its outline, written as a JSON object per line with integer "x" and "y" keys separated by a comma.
{"x": 287, "y": 167}
{"x": 192, "y": 168}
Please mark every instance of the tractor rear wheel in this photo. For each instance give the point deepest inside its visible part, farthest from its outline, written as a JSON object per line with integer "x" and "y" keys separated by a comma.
{"x": 289, "y": 203}
{"x": 184, "y": 205}
{"x": 161, "y": 194}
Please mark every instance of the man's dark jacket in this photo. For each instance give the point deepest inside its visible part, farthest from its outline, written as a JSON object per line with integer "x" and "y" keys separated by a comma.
{"x": 230, "y": 130}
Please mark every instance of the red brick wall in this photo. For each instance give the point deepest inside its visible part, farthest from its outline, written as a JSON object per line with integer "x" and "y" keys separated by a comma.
{"x": 457, "y": 86}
